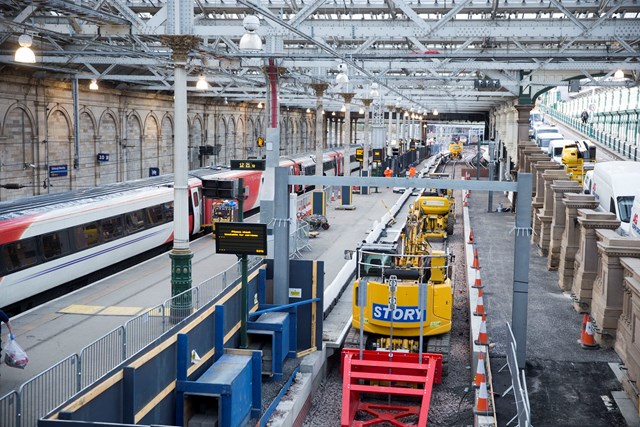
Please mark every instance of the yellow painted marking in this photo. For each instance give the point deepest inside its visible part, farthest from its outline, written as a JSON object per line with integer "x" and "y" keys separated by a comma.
{"x": 121, "y": 311}
{"x": 81, "y": 309}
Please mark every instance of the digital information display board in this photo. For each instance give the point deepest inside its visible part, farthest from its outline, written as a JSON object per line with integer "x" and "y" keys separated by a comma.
{"x": 241, "y": 238}
{"x": 250, "y": 164}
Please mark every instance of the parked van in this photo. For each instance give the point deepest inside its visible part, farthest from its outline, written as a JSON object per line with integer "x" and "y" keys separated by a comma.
{"x": 634, "y": 228}
{"x": 615, "y": 185}
{"x": 555, "y": 149}
{"x": 544, "y": 139}
{"x": 537, "y": 130}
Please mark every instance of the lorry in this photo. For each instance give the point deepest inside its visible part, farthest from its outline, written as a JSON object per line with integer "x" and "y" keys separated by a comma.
{"x": 614, "y": 186}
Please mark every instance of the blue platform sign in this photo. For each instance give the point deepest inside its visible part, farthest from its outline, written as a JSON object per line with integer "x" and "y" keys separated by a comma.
{"x": 154, "y": 171}
{"x": 56, "y": 171}
{"x": 103, "y": 157}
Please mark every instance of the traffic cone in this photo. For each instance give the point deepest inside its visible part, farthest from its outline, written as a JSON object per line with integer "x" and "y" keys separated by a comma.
{"x": 476, "y": 261}
{"x": 482, "y": 402}
{"x": 587, "y": 339}
{"x": 477, "y": 283}
{"x": 479, "y": 305}
{"x": 470, "y": 241}
{"x": 480, "y": 376}
{"x": 333, "y": 196}
{"x": 483, "y": 339}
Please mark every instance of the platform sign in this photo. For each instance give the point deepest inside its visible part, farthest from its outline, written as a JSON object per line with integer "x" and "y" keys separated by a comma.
{"x": 241, "y": 238}
{"x": 359, "y": 154}
{"x": 103, "y": 157}
{"x": 154, "y": 171}
{"x": 377, "y": 155}
{"x": 56, "y": 171}
{"x": 249, "y": 164}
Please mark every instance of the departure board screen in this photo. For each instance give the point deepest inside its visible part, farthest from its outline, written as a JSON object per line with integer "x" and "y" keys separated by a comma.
{"x": 241, "y": 238}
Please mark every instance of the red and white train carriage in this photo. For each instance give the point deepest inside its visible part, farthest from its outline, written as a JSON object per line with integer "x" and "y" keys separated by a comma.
{"x": 50, "y": 240}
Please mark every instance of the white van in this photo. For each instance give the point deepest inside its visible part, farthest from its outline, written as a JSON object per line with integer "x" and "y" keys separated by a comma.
{"x": 537, "y": 130}
{"x": 615, "y": 185}
{"x": 634, "y": 224}
{"x": 544, "y": 139}
{"x": 555, "y": 149}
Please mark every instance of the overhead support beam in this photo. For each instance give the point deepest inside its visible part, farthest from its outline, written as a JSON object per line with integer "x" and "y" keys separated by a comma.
{"x": 26, "y": 13}
{"x": 306, "y": 12}
{"x": 411, "y": 14}
{"x": 449, "y": 16}
{"x": 569, "y": 15}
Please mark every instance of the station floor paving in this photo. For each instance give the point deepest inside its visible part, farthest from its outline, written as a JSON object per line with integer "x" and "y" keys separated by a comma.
{"x": 567, "y": 385}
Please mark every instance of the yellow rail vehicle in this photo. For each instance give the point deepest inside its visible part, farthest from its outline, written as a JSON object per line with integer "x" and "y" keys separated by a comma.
{"x": 455, "y": 149}
{"x": 391, "y": 315}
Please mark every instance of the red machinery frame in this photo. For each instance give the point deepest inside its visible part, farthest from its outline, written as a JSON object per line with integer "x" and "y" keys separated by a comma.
{"x": 402, "y": 375}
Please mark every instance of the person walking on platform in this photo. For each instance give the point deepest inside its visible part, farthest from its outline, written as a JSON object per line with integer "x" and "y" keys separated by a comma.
{"x": 388, "y": 173}
{"x": 412, "y": 171}
{"x": 4, "y": 318}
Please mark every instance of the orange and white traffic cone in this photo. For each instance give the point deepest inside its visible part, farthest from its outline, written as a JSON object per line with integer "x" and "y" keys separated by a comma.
{"x": 482, "y": 339}
{"x": 587, "y": 339}
{"x": 481, "y": 373}
{"x": 477, "y": 283}
{"x": 476, "y": 261}
{"x": 479, "y": 305}
{"x": 465, "y": 202}
{"x": 333, "y": 196}
{"x": 470, "y": 241}
{"x": 482, "y": 402}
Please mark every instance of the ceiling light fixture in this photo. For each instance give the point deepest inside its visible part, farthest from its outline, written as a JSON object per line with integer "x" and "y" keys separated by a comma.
{"x": 202, "y": 84}
{"x": 342, "y": 76}
{"x": 250, "y": 41}
{"x": 619, "y": 74}
{"x": 260, "y": 105}
{"x": 308, "y": 110}
{"x": 94, "y": 84}
{"x": 24, "y": 53}
{"x": 435, "y": 112}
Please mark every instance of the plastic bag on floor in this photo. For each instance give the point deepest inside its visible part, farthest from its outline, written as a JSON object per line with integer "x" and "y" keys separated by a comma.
{"x": 15, "y": 356}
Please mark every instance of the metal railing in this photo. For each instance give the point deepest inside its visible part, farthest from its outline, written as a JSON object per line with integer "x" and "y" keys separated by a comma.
{"x": 622, "y": 148}
{"x": 54, "y": 386}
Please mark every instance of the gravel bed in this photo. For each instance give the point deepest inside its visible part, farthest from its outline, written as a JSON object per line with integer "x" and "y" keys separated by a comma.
{"x": 452, "y": 400}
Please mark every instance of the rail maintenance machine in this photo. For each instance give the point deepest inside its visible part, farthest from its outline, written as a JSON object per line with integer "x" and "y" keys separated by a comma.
{"x": 402, "y": 312}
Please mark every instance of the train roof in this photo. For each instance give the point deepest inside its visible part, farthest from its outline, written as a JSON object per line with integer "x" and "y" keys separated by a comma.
{"x": 38, "y": 204}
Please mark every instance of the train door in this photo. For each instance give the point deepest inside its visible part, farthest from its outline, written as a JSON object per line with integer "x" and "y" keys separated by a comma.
{"x": 196, "y": 209}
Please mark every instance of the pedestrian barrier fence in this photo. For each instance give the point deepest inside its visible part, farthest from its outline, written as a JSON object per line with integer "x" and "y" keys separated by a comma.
{"x": 518, "y": 385}
{"x": 47, "y": 390}
{"x": 54, "y": 386}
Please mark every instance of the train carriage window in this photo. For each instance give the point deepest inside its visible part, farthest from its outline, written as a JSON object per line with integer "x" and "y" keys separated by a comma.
{"x": 86, "y": 235}
{"x": 155, "y": 215}
{"x": 112, "y": 228}
{"x": 18, "y": 255}
{"x": 135, "y": 221}
{"x": 55, "y": 245}
{"x": 167, "y": 209}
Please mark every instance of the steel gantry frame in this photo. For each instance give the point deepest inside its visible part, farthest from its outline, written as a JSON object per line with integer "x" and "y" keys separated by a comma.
{"x": 424, "y": 53}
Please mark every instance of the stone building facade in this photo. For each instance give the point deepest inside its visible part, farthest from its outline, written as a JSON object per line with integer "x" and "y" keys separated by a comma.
{"x": 122, "y": 134}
